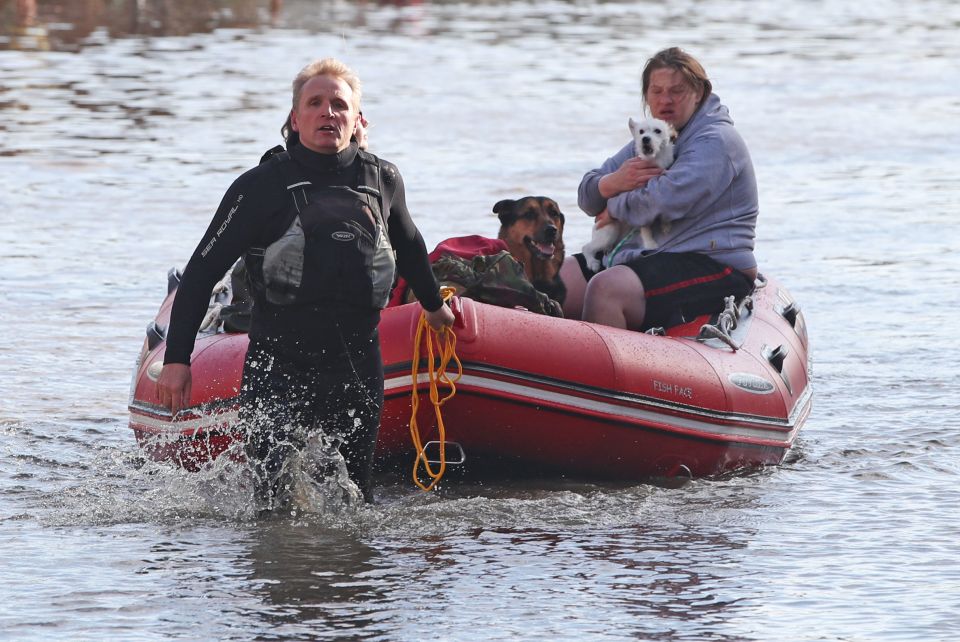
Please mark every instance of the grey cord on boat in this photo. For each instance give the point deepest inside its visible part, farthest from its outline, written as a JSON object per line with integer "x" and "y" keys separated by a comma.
{"x": 212, "y": 318}
{"x": 726, "y": 323}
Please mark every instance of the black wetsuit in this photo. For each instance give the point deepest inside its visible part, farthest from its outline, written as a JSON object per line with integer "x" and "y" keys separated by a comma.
{"x": 308, "y": 366}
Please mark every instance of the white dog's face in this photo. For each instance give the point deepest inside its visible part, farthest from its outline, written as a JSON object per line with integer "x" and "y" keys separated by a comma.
{"x": 653, "y": 139}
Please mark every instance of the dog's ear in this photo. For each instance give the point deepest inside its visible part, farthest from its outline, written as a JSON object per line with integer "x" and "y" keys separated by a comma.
{"x": 505, "y": 210}
{"x": 673, "y": 133}
{"x": 632, "y": 126}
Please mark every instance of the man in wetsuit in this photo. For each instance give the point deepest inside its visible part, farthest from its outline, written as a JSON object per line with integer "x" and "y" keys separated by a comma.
{"x": 321, "y": 227}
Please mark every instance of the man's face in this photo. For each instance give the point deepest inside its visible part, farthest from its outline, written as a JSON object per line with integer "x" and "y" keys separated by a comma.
{"x": 325, "y": 117}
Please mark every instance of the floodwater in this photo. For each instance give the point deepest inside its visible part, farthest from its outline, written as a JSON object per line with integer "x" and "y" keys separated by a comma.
{"x": 122, "y": 123}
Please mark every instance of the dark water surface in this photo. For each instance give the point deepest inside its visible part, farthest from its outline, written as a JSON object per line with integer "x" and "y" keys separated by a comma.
{"x": 122, "y": 123}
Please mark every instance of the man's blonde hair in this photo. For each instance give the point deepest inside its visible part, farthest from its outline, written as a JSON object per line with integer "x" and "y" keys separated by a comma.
{"x": 327, "y": 67}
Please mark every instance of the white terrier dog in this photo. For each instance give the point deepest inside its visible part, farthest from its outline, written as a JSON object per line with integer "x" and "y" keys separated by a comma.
{"x": 653, "y": 140}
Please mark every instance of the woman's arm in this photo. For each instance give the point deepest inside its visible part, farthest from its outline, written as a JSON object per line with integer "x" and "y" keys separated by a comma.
{"x": 687, "y": 189}
{"x": 590, "y": 197}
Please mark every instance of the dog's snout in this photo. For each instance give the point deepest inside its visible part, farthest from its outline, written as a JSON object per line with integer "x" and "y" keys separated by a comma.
{"x": 550, "y": 232}
{"x": 646, "y": 140}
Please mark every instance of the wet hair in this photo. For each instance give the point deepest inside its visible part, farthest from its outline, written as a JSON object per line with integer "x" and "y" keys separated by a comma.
{"x": 677, "y": 59}
{"x": 323, "y": 67}
{"x": 290, "y": 137}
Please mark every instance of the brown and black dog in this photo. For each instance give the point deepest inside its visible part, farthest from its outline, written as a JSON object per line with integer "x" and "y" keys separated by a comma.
{"x": 532, "y": 228}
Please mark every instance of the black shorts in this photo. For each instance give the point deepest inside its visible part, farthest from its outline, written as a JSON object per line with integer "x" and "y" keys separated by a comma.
{"x": 682, "y": 286}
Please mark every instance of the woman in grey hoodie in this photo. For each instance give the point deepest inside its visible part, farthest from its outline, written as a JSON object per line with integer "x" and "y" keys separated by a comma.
{"x": 704, "y": 206}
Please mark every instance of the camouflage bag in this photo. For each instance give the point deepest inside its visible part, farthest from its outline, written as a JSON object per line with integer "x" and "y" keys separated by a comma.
{"x": 497, "y": 279}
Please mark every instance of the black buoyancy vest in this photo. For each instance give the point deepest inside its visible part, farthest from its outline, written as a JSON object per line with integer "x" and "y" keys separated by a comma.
{"x": 335, "y": 247}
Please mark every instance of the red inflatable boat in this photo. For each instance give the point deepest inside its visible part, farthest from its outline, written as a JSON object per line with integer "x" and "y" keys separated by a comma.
{"x": 540, "y": 394}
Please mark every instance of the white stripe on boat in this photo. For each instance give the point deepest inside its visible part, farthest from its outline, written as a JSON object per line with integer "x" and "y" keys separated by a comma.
{"x": 152, "y": 418}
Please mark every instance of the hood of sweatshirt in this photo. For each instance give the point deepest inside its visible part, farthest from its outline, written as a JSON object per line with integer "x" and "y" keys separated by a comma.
{"x": 710, "y": 112}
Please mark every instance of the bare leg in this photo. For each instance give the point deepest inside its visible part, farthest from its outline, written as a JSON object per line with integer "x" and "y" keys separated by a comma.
{"x": 576, "y": 285}
{"x": 615, "y": 297}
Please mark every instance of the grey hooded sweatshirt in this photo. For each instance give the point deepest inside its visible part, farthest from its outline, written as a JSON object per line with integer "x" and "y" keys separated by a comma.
{"x": 708, "y": 195}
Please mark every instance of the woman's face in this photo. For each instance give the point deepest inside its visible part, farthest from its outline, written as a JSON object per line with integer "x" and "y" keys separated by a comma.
{"x": 671, "y": 98}
{"x": 325, "y": 116}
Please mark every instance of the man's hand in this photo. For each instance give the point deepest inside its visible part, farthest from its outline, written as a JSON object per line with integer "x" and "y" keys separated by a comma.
{"x": 440, "y": 318}
{"x": 173, "y": 386}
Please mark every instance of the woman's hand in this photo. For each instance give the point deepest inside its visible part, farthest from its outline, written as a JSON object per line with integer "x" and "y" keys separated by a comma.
{"x": 173, "y": 386}
{"x": 634, "y": 173}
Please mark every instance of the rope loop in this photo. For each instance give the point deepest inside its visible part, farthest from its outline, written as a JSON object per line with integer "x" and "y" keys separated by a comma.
{"x": 441, "y": 342}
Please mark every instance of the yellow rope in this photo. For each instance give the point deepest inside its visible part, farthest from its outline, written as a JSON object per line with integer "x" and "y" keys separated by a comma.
{"x": 446, "y": 346}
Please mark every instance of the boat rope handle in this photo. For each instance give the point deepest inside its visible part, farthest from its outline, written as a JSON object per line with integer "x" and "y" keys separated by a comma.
{"x": 445, "y": 341}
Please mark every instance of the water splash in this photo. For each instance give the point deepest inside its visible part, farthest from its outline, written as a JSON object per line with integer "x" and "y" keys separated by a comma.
{"x": 321, "y": 484}
{"x": 121, "y": 486}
